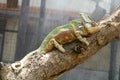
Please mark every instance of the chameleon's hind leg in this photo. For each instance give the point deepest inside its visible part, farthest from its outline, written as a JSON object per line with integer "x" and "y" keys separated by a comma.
{"x": 57, "y": 45}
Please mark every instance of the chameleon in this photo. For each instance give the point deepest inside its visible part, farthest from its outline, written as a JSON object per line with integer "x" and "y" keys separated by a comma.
{"x": 74, "y": 30}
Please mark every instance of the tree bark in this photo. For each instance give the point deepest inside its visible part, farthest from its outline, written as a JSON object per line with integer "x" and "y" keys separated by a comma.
{"x": 51, "y": 65}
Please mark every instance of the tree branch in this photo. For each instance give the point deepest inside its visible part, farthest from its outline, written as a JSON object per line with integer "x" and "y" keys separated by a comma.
{"x": 51, "y": 65}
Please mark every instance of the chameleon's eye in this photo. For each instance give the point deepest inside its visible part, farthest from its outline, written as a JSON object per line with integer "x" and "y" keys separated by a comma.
{"x": 88, "y": 25}
{"x": 80, "y": 26}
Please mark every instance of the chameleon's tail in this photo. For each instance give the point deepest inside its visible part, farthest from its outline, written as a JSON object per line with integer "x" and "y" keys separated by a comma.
{"x": 40, "y": 51}
{"x": 17, "y": 66}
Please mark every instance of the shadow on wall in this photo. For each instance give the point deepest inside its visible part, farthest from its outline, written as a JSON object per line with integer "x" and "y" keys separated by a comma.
{"x": 100, "y": 12}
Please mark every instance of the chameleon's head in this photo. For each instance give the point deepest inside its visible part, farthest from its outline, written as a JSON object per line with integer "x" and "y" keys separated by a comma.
{"x": 85, "y": 18}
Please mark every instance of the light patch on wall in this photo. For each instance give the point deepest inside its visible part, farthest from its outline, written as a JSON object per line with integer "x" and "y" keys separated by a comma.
{"x": 87, "y": 6}
{"x": 3, "y": 1}
{"x": 19, "y": 2}
{"x": 35, "y": 3}
{"x": 71, "y": 5}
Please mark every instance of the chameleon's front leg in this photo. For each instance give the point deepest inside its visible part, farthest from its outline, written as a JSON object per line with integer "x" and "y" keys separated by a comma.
{"x": 79, "y": 34}
{"x": 57, "y": 45}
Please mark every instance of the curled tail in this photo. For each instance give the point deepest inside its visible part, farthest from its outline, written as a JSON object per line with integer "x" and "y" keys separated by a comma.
{"x": 17, "y": 66}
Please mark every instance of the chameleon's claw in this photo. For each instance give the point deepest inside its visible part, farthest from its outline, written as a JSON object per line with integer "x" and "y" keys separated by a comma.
{"x": 85, "y": 41}
{"x": 61, "y": 49}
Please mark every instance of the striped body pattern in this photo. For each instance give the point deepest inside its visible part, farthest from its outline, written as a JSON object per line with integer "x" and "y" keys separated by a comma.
{"x": 62, "y": 34}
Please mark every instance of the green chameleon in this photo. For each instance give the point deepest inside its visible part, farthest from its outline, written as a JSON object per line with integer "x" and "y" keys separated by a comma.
{"x": 75, "y": 30}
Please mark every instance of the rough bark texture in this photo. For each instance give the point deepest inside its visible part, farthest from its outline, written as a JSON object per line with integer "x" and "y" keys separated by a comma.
{"x": 51, "y": 65}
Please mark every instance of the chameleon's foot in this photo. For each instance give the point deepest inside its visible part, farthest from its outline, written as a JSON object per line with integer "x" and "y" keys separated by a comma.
{"x": 17, "y": 66}
{"x": 61, "y": 49}
{"x": 80, "y": 38}
{"x": 85, "y": 41}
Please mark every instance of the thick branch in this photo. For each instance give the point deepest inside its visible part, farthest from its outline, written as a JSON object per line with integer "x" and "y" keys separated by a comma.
{"x": 52, "y": 64}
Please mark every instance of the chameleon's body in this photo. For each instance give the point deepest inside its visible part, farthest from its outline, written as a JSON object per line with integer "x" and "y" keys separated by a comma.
{"x": 68, "y": 33}
{"x": 64, "y": 34}
{"x": 61, "y": 35}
